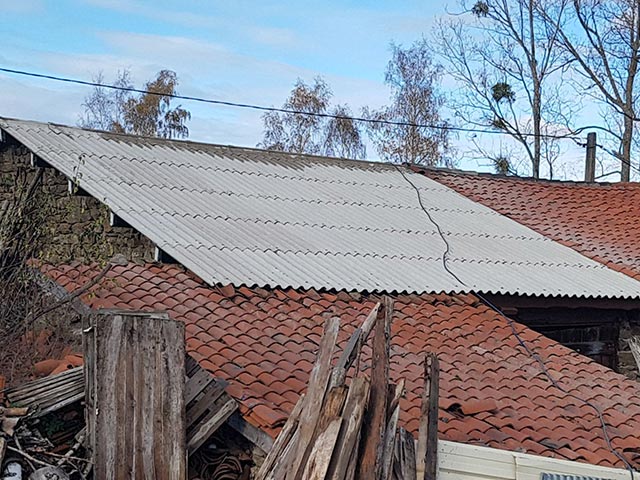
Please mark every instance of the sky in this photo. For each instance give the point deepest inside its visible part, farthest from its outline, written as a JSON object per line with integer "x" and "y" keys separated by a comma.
{"x": 240, "y": 51}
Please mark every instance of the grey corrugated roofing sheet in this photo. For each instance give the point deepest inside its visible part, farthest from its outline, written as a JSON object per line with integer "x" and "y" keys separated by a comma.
{"x": 251, "y": 217}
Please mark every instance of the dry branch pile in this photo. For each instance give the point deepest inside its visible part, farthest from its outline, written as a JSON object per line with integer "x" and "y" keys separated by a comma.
{"x": 343, "y": 430}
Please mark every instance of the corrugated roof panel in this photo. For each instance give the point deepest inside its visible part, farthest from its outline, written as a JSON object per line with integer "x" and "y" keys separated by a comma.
{"x": 246, "y": 216}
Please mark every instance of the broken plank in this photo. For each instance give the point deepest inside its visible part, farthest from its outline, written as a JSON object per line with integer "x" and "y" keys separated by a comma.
{"x": 318, "y": 383}
{"x": 322, "y": 451}
{"x": 404, "y": 467}
{"x": 332, "y": 406}
{"x": 350, "y": 353}
{"x": 374, "y": 422}
{"x": 389, "y": 445}
{"x": 347, "y": 441}
{"x": 209, "y": 425}
{"x": 283, "y": 439}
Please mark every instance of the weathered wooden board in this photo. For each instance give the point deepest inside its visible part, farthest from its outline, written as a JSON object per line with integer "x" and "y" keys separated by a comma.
{"x": 318, "y": 384}
{"x": 404, "y": 467}
{"x": 135, "y": 386}
{"x": 427, "y": 453}
{"x": 347, "y": 441}
{"x": 374, "y": 423}
{"x": 322, "y": 451}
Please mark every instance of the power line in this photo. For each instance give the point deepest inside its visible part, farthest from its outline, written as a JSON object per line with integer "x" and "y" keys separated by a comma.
{"x": 521, "y": 341}
{"x": 263, "y": 108}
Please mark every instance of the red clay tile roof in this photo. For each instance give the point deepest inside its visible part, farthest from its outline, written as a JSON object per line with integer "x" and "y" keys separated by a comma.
{"x": 492, "y": 393}
{"x": 601, "y": 221}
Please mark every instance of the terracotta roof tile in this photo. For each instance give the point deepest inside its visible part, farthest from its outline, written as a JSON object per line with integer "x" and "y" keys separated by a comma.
{"x": 264, "y": 342}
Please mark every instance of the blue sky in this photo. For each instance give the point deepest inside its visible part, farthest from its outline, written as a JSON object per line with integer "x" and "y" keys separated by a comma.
{"x": 242, "y": 51}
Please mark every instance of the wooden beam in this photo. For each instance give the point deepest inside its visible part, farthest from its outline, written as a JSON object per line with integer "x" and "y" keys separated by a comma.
{"x": 117, "y": 221}
{"x": 375, "y": 419}
{"x": 427, "y": 454}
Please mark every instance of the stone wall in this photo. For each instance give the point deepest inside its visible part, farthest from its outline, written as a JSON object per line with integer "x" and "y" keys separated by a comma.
{"x": 77, "y": 226}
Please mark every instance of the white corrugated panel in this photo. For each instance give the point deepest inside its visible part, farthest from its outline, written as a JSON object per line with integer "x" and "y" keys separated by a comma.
{"x": 249, "y": 217}
{"x": 457, "y": 461}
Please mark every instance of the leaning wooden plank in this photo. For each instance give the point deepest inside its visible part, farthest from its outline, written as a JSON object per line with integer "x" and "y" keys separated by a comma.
{"x": 282, "y": 441}
{"x": 350, "y": 353}
{"x": 318, "y": 383}
{"x": 280, "y": 467}
{"x": 427, "y": 454}
{"x": 347, "y": 442}
{"x": 197, "y": 408}
{"x": 374, "y": 423}
{"x": 323, "y": 450}
{"x": 389, "y": 445}
{"x": 404, "y": 467}
{"x": 196, "y": 384}
{"x": 332, "y": 406}
{"x": 209, "y": 425}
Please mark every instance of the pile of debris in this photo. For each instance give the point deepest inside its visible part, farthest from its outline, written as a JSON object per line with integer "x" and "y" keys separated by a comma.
{"x": 46, "y": 434}
{"x": 343, "y": 430}
{"x": 37, "y": 446}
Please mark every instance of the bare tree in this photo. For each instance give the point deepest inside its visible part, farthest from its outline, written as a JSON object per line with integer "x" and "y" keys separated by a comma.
{"x": 505, "y": 58}
{"x": 418, "y": 134}
{"x": 307, "y": 131}
{"x": 149, "y": 114}
{"x": 603, "y": 39}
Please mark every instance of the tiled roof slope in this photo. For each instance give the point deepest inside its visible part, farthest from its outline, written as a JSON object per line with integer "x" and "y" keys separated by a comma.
{"x": 263, "y": 342}
{"x": 253, "y": 217}
{"x": 601, "y": 221}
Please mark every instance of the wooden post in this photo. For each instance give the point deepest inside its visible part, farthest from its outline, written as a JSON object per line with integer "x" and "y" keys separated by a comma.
{"x": 375, "y": 419}
{"x": 590, "y": 162}
{"x": 135, "y": 391}
{"x": 427, "y": 454}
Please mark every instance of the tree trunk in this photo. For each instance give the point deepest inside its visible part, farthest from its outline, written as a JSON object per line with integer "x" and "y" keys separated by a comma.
{"x": 625, "y": 148}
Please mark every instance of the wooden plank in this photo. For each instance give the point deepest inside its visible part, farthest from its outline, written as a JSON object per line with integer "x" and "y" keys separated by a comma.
{"x": 318, "y": 383}
{"x": 283, "y": 440}
{"x": 427, "y": 452}
{"x": 136, "y": 424}
{"x": 322, "y": 451}
{"x": 389, "y": 445}
{"x": 205, "y": 402}
{"x": 254, "y": 435}
{"x": 196, "y": 384}
{"x": 332, "y": 406}
{"x": 352, "y": 350}
{"x": 347, "y": 441}
{"x": 404, "y": 467}
{"x": 374, "y": 424}
{"x": 280, "y": 468}
{"x": 209, "y": 425}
